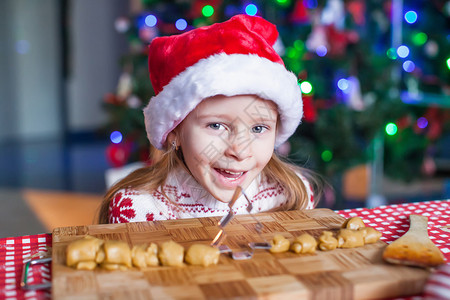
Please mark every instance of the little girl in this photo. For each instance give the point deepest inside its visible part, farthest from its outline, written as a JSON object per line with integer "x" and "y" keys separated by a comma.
{"x": 224, "y": 101}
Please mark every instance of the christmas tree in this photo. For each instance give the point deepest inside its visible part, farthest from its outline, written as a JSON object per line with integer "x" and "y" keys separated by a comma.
{"x": 374, "y": 75}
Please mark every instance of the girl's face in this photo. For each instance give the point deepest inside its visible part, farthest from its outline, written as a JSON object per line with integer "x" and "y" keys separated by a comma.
{"x": 227, "y": 141}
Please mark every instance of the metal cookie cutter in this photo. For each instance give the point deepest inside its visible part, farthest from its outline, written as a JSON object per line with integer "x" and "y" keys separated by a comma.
{"x": 259, "y": 226}
{"x": 226, "y": 219}
{"x": 24, "y": 282}
{"x": 238, "y": 255}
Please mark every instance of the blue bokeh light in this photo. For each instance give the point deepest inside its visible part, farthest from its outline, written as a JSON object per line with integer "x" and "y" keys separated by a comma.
{"x": 343, "y": 84}
{"x": 403, "y": 51}
{"x": 150, "y": 20}
{"x": 181, "y": 24}
{"x": 310, "y": 4}
{"x": 422, "y": 122}
{"x": 409, "y": 66}
{"x": 116, "y": 137}
{"x": 321, "y": 51}
{"x": 251, "y": 10}
{"x": 411, "y": 16}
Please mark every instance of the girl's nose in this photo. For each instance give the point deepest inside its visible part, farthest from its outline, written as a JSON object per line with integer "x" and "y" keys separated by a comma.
{"x": 239, "y": 147}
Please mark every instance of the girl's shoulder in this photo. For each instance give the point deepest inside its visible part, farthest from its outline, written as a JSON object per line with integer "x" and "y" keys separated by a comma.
{"x": 130, "y": 205}
{"x": 125, "y": 206}
{"x": 164, "y": 203}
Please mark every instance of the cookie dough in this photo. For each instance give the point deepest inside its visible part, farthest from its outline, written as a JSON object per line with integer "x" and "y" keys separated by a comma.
{"x": 202, "y": 255}
{"x": 171, "y": 254}
{"x": 349, "y": 238}
{"x": 370, "y": 234}
{"x": 279, "y": 244}
{"x": 304, "y": 243}
{"x": 85, "y": 253}
{"x": 354, "y": 223}
{"x": 117, "y": 255}
{"x": 327, "y": 241}
{"x": 145, "y": 255}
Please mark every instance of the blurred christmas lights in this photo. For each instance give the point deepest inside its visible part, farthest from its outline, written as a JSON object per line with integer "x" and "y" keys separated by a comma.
{"x": 409, "y": 66}
{"x": 431, "y": 48}
{"x": 411, "y": 17}
{"x": 306, "y": 87}
{"x": 207, "y": 11}
{"x": 391, "y": 129}
{"x": 403, "y": 51}
{"x": 310, "y": 4}
{"x": 284, "y": 3}
{"x": 293, "y": 53}
{"x": 422, "y": 122}
{"x": 116, "y": 137}
{"x": 419, "y": 38}
{"x": 122, "y": 24}
{"x": 181, "y": 24}
{"x": 251, "y": 10}
{"x": 150, "y": 20}
{"x": 391, "y": 53}
{"x": 321, "y": 51}
{"x": 343, "y": 84}
{"x": 146, "y": 34}
{"x": 327, "y": 155}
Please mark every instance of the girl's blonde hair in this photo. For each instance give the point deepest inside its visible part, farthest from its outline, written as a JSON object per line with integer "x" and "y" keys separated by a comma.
{"x": 152, "y": 177}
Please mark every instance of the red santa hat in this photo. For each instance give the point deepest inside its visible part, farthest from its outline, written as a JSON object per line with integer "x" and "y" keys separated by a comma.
{"x": 235, "y": 57}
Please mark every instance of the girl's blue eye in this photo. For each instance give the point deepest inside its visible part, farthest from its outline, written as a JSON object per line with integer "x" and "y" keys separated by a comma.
{"x": 258, "y": 129}
{"x": 215, "y": 126}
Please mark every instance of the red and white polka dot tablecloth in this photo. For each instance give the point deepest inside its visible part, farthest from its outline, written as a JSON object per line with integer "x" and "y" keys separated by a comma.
{"x": 391, "y": 220}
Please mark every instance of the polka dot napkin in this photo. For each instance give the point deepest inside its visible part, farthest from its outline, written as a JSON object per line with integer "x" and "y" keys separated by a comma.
{"x": 14, "y": 253}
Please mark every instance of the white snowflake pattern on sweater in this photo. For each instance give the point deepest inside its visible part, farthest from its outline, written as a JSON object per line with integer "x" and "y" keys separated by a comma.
{"x": 190, "y": 200}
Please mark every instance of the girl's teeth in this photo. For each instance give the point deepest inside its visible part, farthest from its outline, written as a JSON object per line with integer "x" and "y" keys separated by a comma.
{"x": 231, "y": 173}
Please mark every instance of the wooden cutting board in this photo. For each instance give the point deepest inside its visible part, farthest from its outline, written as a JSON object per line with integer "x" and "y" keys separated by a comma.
{"x": 357, "y": 273}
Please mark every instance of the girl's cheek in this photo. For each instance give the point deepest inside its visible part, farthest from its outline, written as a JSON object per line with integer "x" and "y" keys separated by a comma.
{"x": 265, "y": 139}
{"x": 264, "y": 145}
{"x": 206, "y": 148}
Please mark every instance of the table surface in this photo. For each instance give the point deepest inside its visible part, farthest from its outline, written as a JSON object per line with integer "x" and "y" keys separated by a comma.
{"x": 391, "y": 220}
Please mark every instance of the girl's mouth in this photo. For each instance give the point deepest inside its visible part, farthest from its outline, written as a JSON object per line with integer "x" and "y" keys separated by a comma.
{"x": 229, "y": 179}
{"x": 230, "y": 175}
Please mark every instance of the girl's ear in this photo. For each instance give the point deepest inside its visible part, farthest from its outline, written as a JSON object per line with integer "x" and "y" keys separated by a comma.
{"x": 172, "y": 139}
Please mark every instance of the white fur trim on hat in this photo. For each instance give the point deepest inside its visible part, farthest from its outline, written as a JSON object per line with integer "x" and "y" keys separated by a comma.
{"x": 229, "y": 75}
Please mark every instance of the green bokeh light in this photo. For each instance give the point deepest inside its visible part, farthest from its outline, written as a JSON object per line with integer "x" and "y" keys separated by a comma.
{"x": 448, "y": 63}
{"x": 419, "y": 38}
{"x": 391, "y": 129}
{"x": 208, "y": 10}
{"x": 284, "y": 2}
{"x": 327, "y": 155}
{"x": 392, "y": 53}
{"x": 292, "y": 53}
